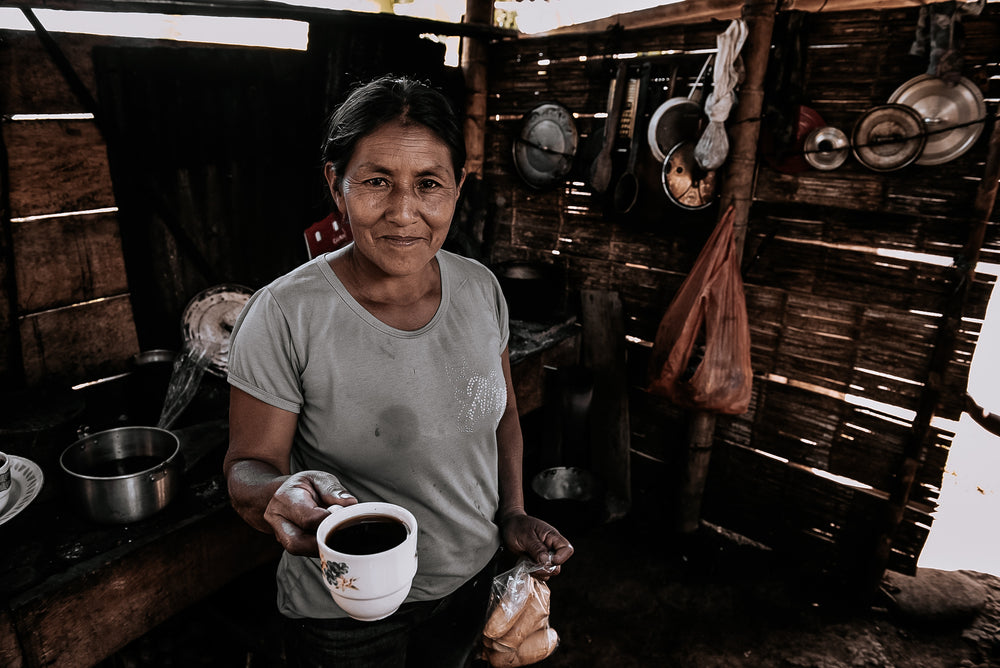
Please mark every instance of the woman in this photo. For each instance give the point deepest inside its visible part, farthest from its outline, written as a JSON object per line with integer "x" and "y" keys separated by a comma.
{"x": 380, "y": 372}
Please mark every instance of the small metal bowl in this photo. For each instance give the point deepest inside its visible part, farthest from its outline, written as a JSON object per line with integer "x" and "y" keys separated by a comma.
{"x": 826, "y": 148}
{"x": 565, "y": 483}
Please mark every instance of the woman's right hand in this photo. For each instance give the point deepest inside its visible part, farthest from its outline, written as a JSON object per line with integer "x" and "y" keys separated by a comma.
{"x": 299, "y": 506}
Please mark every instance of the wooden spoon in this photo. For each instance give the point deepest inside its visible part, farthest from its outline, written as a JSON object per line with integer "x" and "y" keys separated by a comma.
{"x": 600, "y": 171}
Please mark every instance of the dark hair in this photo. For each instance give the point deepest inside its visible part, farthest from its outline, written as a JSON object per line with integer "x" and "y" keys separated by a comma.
{"x": 386, "y": 99}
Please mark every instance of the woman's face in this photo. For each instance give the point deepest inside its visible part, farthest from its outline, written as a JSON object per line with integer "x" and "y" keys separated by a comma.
{"x": 398, "y": 192}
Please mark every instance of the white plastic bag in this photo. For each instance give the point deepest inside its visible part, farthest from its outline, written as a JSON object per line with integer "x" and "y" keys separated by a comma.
{"x": 713, "y": 147}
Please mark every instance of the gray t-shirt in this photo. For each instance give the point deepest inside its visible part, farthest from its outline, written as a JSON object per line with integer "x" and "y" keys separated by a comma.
{"x": 404, "y": 417}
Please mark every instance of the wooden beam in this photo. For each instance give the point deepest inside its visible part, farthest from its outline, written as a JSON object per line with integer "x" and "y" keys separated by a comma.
{"x": 474, "y": 64}
{"x": 737, "y": 188}
{"x": 737, "y": 191}
{"x": 604, "y": 353}
{"x": 699, "y": 11}
{"x": 265, "y": 9}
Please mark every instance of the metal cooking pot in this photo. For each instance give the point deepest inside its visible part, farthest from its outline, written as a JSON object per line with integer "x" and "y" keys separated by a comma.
{"x": 123, "y": 475}
{"x": 533, "y": 290}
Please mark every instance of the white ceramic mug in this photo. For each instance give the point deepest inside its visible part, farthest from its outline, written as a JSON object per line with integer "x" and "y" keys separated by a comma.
{"x": 5, "y": 479}
{"x": 369, "y": 557}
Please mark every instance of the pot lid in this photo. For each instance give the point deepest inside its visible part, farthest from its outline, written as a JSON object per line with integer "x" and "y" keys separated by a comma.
{"x": 209, "y": 318}
{"x": 826, "y": 148}
{"x": 676, "y": 120}
{"x": 685, "y": 182}
{"x": 545, "y": 146}
{"x": 954, "y": 115}
{"x": 888, "y": 137}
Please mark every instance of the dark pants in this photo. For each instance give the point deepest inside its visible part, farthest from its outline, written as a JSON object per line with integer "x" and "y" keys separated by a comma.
{"x": 431, "y": 634}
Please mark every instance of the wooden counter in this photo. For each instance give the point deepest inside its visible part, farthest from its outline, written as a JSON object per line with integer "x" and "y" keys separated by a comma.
{"x": 73, "y": 592}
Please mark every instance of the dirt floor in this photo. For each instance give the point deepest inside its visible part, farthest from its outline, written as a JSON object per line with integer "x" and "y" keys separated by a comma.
{"x": 629, "y": 599}
{"x": 624, "y": 603}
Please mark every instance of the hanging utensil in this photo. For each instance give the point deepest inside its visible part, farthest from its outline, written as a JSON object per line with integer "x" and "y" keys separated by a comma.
{"x": 826, "y": 148}
{"x": 676, "y": 119}
{"x": 954, "y": 115}
{"x": 685, "y": 182}
{"x": 600, "y": 171}
{"x": 888, "y": 137}
{"x": 627, "y": 188}
{"x": 545, "y": 146}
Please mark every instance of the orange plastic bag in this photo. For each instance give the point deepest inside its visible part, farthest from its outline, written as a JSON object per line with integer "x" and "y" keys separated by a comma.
{"x": 709, "y": 310}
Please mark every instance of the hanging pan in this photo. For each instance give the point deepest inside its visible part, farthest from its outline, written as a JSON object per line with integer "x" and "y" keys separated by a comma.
{"x": 888, "y": 137}
{"x": 954, "y": 115}
{"x": 545, "y": 146}
{"x": 676, "y": 120}
{"x": 685, "y": 182}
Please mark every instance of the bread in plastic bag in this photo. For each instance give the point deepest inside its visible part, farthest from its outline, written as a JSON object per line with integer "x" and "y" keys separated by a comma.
{"x": 517, "y": 632}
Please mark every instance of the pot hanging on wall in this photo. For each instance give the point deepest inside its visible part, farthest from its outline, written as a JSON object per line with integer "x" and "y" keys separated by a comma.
{"x": 678, "y": 119}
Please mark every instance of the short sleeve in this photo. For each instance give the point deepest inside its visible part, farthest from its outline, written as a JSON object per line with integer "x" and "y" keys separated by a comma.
{"x": 503, "y": 317}
{"x": 262, "y": 357}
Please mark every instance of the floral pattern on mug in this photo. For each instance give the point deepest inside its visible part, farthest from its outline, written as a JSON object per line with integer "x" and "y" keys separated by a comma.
{"x": 334, "y": 572}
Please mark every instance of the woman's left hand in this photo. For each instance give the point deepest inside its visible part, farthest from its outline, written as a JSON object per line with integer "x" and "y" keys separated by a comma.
{"x": 538, "y": 540}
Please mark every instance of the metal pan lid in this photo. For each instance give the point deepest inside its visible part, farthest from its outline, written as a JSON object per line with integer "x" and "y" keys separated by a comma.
{"x": 954, "y": 115}
{"x": 545, "y": 146}
{"x": 685, "y": 182}
{"x": 888, "y": 137}
{"x": 209, "y": 318}
{"x": 826, "y": 148}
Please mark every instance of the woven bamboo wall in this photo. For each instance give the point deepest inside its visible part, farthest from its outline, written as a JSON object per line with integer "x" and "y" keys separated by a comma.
{"x": 841, "y": 335}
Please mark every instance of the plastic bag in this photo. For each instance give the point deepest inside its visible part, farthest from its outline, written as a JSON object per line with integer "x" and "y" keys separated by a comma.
{"x": 517, "y": 632}
{"x": 713, "y": 147}
{"x": 709, "y": 309}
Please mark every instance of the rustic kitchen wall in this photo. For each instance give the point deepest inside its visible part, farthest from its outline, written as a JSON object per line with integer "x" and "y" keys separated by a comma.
{"x": 66, "y": 308}
{"x": 200, "y": 168}
{"x": 842, "y": 325}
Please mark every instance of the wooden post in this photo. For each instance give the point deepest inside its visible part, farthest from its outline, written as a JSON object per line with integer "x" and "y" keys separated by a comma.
{"x": 604, "y": 354}
{"x": 944, "y": 349}
{"x": 744, "y": 133}
{"x": 738, "y": 191}
{"x": 474, "y": 60}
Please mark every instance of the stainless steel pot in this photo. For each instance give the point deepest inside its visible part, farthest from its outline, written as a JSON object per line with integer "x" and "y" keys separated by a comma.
{"x": 124, "y": 475}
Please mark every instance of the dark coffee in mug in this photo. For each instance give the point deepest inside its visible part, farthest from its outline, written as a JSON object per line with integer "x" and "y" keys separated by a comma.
{"x": 367, "y": 534}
